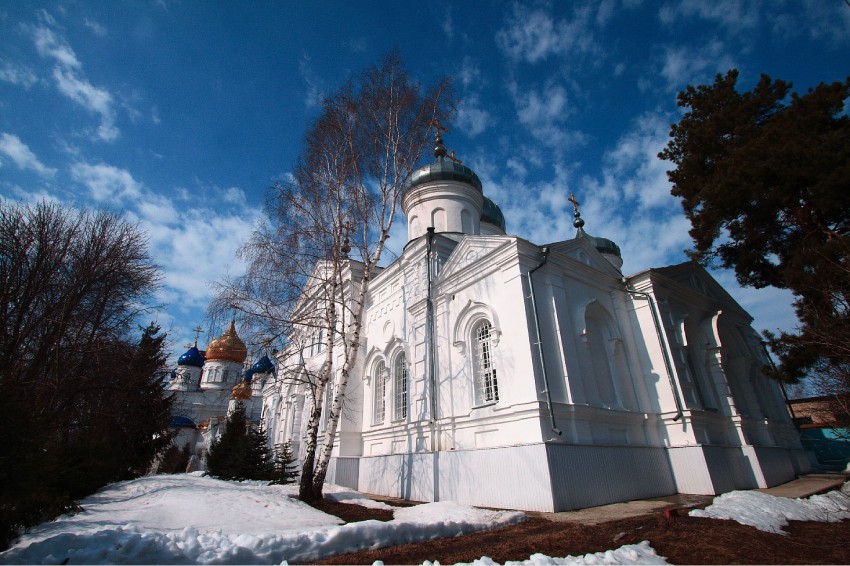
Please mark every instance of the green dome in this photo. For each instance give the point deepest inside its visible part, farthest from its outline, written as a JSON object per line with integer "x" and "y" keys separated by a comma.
{"x": 442, "y": 170}
{"x": 604, "y": 245}
{"x": 490, "y": 212}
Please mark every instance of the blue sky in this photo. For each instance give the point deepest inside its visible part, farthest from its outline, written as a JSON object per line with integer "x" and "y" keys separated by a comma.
{"x": 180, "y": 114}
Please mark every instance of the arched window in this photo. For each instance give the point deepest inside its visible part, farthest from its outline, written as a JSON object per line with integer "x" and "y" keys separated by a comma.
{"x": 400, "y": 385}
{"x": 605, "y": 374}
{"x": 380, "y": 392}
{"x": 486, "y": 387}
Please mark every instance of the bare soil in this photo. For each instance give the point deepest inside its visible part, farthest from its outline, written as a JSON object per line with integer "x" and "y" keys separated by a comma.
{"x": 679, "y": 538}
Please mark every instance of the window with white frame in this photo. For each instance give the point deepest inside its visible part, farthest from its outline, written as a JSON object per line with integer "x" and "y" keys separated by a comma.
{"x": 486, "y": 387}
{"x": 400, "y": 385}
{"x": 380, "y": 392}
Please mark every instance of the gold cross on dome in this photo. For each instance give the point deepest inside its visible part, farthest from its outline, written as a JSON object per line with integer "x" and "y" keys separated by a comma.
{"x": 439, "y": 127}
{"x": 575, "y": 202}
{"x": 198, "y": 330}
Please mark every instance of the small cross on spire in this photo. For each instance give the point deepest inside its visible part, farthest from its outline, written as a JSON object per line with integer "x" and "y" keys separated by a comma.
{"x": 575, "y": 202}
{"x": 198, "y": 330}
{"x": 578, "y": 222}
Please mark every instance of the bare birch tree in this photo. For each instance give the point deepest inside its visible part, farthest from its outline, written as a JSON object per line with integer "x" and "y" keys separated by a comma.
{"x": 311, "y": 264}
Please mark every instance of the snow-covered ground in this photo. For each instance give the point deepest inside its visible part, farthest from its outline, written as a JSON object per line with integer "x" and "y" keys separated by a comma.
{"x": 190, "y": 519}
{"x": 769, "y": 513}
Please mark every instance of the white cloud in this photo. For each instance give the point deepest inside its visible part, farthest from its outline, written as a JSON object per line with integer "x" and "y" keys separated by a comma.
{"x": 469, "y": 73}
{"x": 49, "y": 45}
{"x": 194, "y": 245}
{"x": 197, "y": 248}
{"x": 71, "y": 83}
{"x": 471, "y": 118}
{"x": 532, "y": 34}
{"x": 17, "y": 74}
{"x": 95, "y": 26}
{"x": 157, "y": 208}
{"x": 448, "y": 23}
{"x": 32, "y": 195}
{"x": 735, "y": 16}
{"x": 543, "y": 107}
{"x": 13, "y": 148}
{"x": 107, "y": 182}
{"x": 635, "y": 165}
{"x": 820, "y": 21}
{"x": 543, "y": 112}
{"x": 314, "y": 95}
{"x": 92, "y": 98}
{"x": 234, "y": 195}
{"x": 683, "y": 66}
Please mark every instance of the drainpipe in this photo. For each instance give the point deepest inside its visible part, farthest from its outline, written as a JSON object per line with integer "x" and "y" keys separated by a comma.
{"x": 545, "y": 251}
{"x": 664, "y": 348}
{"x": 432, "y": 347}
{"x": 781, "y": 386}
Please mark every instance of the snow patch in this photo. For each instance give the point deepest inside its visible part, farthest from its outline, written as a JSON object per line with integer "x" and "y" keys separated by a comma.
{"x": 186, "y": 519}
{"x": 770, "y": 513}
{"x": 640, "y": 553}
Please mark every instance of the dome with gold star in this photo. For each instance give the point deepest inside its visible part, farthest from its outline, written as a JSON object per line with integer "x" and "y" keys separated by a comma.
{"x": 227, "y": 347}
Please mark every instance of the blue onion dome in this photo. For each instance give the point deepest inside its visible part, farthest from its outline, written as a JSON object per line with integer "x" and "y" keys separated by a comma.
{"x": 181, "y": 422}
{"x": 263, "y": 365}
{"x": 248, "y": 375}
{"x": 491, "y": 213}
{"x": 192, "y": 357}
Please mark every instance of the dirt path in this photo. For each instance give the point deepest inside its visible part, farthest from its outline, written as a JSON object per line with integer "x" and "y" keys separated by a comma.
{"x": 681, "y": 539}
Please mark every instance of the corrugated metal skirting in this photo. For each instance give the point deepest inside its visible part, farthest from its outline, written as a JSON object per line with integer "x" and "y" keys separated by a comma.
{"x": 586, "y": 476}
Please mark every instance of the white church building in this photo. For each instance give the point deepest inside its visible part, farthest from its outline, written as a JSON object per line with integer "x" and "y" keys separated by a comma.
{"x": 207, "y": 385}
{"x": 498, "y": 372}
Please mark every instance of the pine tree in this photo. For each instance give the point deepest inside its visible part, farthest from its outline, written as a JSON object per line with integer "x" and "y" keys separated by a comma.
{"x": 285, "y": 466}
{"x": 764, "y": 177}
{"x": 241, "y": 453}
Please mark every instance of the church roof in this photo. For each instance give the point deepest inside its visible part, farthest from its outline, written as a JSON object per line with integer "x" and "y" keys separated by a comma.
{"x": 603, "y": 245}
{"x": 442, "y": 169}
{"x": 227, "y": 347}
{"x": 192, "y": 357}
{"x": 263, "y": 365}
{"x": 242, "y": 391}
{"x": 490, "y": 212}
{"x": 181, "y": 422}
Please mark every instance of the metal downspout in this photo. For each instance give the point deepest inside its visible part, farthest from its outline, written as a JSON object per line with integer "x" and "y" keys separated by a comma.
{"x": 781, "y": 385}
{"x": 664, "y": 348}
{"x": 545, "y": 251}
{"x": 432, "y": 350}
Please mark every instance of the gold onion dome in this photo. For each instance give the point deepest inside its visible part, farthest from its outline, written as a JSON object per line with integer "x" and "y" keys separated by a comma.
{"x": 242, "y": 391}
{"x": 227, "y": 347}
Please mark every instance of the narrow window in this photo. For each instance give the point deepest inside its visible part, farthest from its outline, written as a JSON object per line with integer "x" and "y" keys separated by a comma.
{"x": 486, "y": 387}
{"x": 380, "y": 392}
{"x": 326, "y": 410}
{"x": 400, "y": 383}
